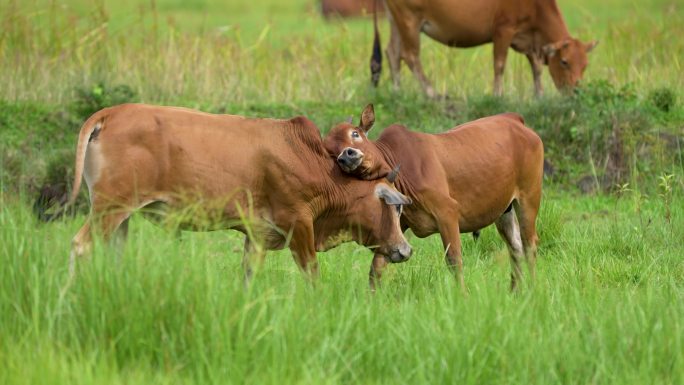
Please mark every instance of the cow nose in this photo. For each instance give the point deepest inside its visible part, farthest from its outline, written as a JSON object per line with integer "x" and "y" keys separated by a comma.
{"x": 350, "y": 153}
{"x": 342, "y": 160}
{"x": 406, "y": 251}
{"x": 401, "y": 253}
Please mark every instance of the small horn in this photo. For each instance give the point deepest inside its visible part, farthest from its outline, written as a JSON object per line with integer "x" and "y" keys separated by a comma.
{"x": 392, "y": 176}
{"x": 350, "y": 119}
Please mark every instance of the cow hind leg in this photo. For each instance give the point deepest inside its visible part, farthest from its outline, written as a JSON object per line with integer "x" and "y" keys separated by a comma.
{"x": 111, "y": 226}
{"x": 409, "y": 32}
{"x": 393, "y": 53}
{"x": 527, "y": 209}
{"x": 509, "y": 230}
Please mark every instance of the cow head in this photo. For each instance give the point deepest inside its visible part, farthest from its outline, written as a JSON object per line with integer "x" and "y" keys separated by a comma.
{"x": 354, "y": 153}
{"x": 379, "y": 216}
{"x": 567, "y": 60}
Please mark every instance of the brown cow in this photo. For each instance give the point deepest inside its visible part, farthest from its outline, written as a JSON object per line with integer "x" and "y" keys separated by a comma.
{"x": 348, "y": 8}
{"x": 533, "y": 27}
{"x": 270, "y": 179}
{"x": 483, "y": 172}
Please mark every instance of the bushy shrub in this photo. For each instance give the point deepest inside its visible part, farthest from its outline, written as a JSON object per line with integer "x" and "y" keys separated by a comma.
{"x": 663, "y": 98}
{"x": 98, "y": 96}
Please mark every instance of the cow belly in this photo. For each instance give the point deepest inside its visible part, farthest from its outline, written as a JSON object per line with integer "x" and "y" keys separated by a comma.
{"x": 461, "y": 23}
{"x": 462, "y": 36}
{"x": 479, "y": 212}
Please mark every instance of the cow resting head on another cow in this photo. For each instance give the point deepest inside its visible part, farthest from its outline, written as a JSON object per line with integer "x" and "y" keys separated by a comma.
{"x": 488, "y": 171}
{"x": 354, "y": 153}
{"x": 134, "y": 156}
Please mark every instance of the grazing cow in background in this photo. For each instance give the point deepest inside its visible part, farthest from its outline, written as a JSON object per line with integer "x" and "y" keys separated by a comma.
{"x": 271, "y": 179}
{"x": 486, "y": 171}
{"x": 534, "y": 28}
{"x": 349, "y": 8}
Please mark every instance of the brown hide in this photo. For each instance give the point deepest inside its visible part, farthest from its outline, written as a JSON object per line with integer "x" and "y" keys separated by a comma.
{"x": 533, "y": 27}
{"x": 270, "y": 178}
{"x": 460, "y": 181}
{"x": 349, "y": 8}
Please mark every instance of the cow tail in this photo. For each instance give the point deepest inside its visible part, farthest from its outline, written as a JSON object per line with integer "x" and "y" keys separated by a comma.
{"x": 92, "y": 126}
{"x": 52, "y": 195}
{"x": 376, "y": 56}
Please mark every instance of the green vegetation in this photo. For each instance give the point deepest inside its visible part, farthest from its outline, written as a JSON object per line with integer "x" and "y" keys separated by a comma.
{"x": 607, "y": 306}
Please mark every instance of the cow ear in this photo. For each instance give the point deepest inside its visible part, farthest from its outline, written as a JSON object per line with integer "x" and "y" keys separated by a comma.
{"x": 550, "y": 49}
{"x": 391, "y": 196}
{"x": 588, "y": 47}
{"x": 367, "y": 118}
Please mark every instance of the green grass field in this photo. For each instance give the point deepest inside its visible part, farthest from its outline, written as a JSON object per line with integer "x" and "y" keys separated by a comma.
{"x": 607, "y": 306}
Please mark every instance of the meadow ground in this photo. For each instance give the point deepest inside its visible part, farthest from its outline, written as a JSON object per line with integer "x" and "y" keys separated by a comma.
{"x": 607, "y": 305}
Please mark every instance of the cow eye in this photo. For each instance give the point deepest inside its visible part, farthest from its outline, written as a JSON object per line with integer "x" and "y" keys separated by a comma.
{"x": 355, "y": 134}
{"x": 565, "y": 63}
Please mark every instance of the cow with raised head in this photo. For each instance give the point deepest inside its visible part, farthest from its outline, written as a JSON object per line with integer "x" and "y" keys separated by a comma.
{"x": 534, "y": 28}
{"x": 486, "y": 171}
{"x": 270, "y": 179}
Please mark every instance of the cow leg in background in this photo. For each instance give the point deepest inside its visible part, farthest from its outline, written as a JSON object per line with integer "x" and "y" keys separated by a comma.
{"x": 104, "y": 222}
{"x": 409, "y": 31}
{"x": 527, "y": 208}
{"x": 303, "y": 248}
{"x": 393, "y": 52}
{"x": 377, "y": 266}
{"x": 252, "y": 254}
{"x": 537, "y": 65}
{"x": 502, "y": 40}
{"x": 510, "y": 232}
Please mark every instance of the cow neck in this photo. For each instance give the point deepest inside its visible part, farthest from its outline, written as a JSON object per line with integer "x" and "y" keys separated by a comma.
{"x": 331, "y": 202}
{"x": 335, "y": 197}
{"x": 335, "y": 211}
{"x": 322, "y": 189}
{"x": 388, "y": 154}
{"x": 552, "y": 24}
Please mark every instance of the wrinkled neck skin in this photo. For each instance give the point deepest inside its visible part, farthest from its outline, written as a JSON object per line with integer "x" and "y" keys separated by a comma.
{"x": 335, "y": 210}
{"x": 377, "y": 164}
{"x": 333, "y": 198}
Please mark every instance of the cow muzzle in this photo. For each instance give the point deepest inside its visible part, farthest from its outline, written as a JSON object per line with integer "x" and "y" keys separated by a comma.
{"x": 349, "y": 159}
{"x": 401, "y": 253}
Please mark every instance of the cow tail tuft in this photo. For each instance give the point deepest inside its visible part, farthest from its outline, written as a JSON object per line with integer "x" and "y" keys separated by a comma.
{"x": 376, "y": 56}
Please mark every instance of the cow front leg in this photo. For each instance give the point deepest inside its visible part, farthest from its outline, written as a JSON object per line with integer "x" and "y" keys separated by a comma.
{"x": 377, "y": 266}
{"x": 304, "y": 250}
{"x": 502, "y": 40}
{"x": 451, "y": 239}
{"x": 536, "y": 65}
